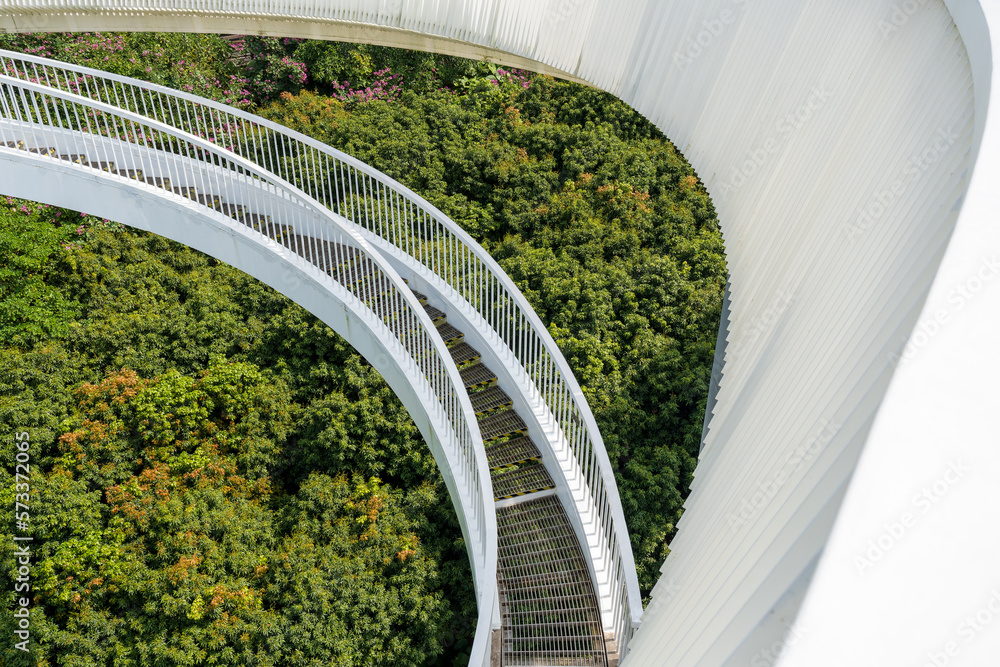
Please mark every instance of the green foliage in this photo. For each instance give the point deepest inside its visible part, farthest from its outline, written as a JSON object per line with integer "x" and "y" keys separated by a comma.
{"x": 160, "y": 540}
{"x": 162, "y": 486}
{"x": 355, "y": 538}
{"x": 332, "y": 63}
{"x": 271, "y": 67}
{"x": 30, "y": 309}
{"x": 202, "y": 64}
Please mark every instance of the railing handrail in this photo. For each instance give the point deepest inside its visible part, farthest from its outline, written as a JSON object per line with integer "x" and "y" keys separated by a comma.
{"x": 487, "y": 512}
{"x": 566, "y": 375}
{"x": 620, "y": 549}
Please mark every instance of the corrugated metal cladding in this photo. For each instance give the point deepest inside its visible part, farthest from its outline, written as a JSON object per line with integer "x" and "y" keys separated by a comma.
{"x": 834, "y": 137}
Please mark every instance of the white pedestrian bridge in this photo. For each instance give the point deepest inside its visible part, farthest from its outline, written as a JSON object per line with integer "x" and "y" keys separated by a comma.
{"x": 843, "y": 509}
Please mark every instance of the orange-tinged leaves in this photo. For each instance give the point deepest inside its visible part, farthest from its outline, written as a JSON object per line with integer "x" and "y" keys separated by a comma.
{"x": 184, "y": 567}
{"x": 118, "y": 387}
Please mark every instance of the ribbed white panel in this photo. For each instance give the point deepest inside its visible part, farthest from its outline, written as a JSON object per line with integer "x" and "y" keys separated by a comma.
{"x": 817, "y": 307}
{"x": 908, "y": 578}
{"x": 822, "y": 298}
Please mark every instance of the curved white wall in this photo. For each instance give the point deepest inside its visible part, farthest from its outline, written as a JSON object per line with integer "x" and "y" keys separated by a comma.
{"x": 910, "y": 574}
{"x": 837, "y": 139}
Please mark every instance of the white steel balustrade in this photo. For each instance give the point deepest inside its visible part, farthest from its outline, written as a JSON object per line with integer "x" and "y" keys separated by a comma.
{"x": 40, "y": 123}
{"x": 416, "y": 237}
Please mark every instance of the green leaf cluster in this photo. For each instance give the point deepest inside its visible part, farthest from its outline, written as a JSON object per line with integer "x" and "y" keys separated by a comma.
{"x": 243, "y": 489}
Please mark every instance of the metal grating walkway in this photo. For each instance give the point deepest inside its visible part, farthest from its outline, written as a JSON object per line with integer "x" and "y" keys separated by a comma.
{"x": 449, "y": 333}
{"x": 521, "y": 481}
{"x": 547, "y": 604}
{"x": 549, "y": 611}
{"x": 435, "y": 314}
{"x": 500, "y": 424}
{"x": 489, "y": 400}
{"x": 507, "y": 453}
{"x": 477, "y": 375}
{"x": 463, "y": 353}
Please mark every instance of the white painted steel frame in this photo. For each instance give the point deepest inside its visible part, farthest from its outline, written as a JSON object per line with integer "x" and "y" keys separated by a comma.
{"x": 805, "y": 121}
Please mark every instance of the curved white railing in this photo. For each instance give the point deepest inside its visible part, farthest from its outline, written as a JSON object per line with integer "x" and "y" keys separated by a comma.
{"x": 401, "y": 218}
{"x": 42, "y": 116}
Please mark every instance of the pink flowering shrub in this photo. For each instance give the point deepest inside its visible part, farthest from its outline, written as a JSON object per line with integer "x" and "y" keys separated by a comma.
{"x": 271, "y": 66}
{"x": 196, "y": 64}
{"x": 386, "y": 86}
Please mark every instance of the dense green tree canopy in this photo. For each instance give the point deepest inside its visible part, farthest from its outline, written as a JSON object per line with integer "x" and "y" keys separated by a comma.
{"x": 224, "y": 497}
{"x": 218, "y": 478}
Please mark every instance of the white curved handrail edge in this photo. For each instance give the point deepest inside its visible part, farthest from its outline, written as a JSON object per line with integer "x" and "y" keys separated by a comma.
{"x": 484, "y": 550}
{"x": 586, "y": 415}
